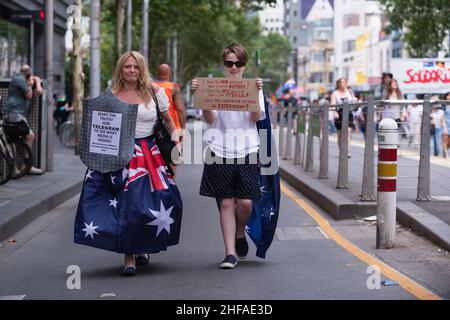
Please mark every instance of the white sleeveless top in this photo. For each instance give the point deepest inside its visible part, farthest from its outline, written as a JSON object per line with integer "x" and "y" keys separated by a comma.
{"x": 146, "y": 115}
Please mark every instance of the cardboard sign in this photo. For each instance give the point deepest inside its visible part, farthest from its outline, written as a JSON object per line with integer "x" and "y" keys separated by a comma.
{"x": 227, "y": 94}
{"x": 105, "y": 133}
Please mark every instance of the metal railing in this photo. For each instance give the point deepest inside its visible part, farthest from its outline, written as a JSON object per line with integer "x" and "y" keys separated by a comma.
{"x": 312, "y": 121}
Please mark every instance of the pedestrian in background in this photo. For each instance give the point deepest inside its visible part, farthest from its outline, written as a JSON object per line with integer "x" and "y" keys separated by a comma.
{"x": 231, "y": 173}
{"x": 438, "y": 125}
{"x": 342, "y": 94}
{"x": 177, "y": 108}
{"x": 395, "y": 111}
{"x": 446, "y": 134}
{"x": 414, "y": 116}
{"x": 382, "y": 88}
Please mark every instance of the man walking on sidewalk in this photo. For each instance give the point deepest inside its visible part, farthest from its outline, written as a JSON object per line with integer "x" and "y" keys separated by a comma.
{"x": 177, "y": 109}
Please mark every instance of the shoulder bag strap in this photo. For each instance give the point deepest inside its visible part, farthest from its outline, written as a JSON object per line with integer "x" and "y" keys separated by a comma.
{"x": 152, "y": 91}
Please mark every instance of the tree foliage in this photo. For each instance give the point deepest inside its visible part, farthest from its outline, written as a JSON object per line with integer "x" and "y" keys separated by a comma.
{"x": 425, "y": 23}
{"x": 202, "y": 28}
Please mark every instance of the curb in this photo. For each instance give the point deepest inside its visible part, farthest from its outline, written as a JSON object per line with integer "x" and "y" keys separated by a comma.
{"x": 424, "y": 223}
{"x": 23, "y": 210}
{"x": 340, "y": 207}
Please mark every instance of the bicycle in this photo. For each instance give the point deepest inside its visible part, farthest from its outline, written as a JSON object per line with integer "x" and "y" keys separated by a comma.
{"x": 5, "y": 157}
{"x": 66, "y": 133}
{"x": 16, "y": 150}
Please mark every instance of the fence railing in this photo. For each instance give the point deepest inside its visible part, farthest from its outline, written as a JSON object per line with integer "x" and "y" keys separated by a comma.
{"x": 312, "y": 121}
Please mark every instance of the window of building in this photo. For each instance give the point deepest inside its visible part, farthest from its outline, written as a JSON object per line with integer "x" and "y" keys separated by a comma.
{"x": 349, "y": 46}
{"x": 330, "y": 77}
{"x": 294, "y": 39}
{"x": 317, "y": 56}
{"x": 351, "y": 19}
{"x": 316, "y": 77}
{"x": 14, "y": 49}
{"x": 295, "y": 13}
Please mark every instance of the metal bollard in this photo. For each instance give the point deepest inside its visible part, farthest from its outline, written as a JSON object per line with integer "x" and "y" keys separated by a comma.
{"x": 367, "y": 193}
{"x": 342, "y": 181}
{"x": 309, "y": 162}
{"x": 323, "y": 170}
{"x": 423, "y": 184}
{"x": 388, "y": 141}
{"x": 288, "y": 147}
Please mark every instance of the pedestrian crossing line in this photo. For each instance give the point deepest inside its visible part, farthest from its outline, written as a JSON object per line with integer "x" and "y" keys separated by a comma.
{"x": 406, "y": 283}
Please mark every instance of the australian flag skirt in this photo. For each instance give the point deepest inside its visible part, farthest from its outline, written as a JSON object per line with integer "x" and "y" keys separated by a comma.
{"x": 134, "y": 210}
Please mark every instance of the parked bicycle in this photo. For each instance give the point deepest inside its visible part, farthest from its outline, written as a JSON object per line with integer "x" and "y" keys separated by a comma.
{"x": 66, "y": 133}
{"x": 5, "y": 158}
{"x": 15, "y": 152}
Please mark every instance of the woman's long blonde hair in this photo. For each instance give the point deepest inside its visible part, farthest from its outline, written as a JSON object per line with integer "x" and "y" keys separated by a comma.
{"x": 145, "y": 80}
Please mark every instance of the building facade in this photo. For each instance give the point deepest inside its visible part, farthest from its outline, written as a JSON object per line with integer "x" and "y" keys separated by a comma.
{"x": 22, "y": 38}
{"x": 309, "y": 26}
{"x": 362, "y": 51}
{"x": 272, "y": 18}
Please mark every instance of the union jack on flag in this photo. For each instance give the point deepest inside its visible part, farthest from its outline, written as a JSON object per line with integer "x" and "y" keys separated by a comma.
{"x": 134, "y": 210}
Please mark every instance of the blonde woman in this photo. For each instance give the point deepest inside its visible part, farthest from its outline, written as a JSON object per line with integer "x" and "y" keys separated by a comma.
{"x": 136, "y": 210}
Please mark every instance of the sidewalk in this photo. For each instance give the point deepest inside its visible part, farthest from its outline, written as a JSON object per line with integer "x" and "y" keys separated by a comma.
{"x": 25, "y": 199}
{"x": 430, "y": 219}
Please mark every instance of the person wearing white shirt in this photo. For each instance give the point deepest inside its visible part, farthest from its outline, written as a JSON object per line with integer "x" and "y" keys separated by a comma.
{"x": 230, "y": 172}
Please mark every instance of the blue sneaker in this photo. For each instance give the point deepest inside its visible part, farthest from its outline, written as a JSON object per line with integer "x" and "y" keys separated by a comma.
{"x": 241, "y": 247}
{"x": 229, "y": 262}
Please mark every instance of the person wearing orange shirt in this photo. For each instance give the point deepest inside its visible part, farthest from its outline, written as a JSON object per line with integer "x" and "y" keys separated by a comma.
{"x": 177, "y": 108}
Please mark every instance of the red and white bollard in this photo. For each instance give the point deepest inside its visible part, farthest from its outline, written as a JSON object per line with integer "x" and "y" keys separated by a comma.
{"x": 388, "y": 141}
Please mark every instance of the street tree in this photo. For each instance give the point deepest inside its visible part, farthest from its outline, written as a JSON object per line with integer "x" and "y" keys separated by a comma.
{"x": 424, "y": 23}
{"x": 275, "y": 55}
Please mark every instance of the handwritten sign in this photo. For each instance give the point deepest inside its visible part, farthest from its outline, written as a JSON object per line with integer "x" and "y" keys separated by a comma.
{"x": 105, "y": 133}
{"x": 227, "y": 94}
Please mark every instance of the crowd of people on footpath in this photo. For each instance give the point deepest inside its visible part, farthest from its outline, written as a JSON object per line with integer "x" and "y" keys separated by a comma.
{"x": 407, "y": 116}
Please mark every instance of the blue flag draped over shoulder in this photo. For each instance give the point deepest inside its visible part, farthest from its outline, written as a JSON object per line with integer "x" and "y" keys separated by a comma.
{"x": 263, "y": 220}
{"x": 262, "y": 223}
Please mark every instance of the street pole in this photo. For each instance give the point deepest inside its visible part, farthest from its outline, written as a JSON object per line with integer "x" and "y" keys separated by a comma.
{"x": 168, "y": 57}
{"x": 129, "y": 14}
{"x": 48, "y": 36}
{"x": 77, "y": 75}
{"x": 295, "y": 66}
{"x": 145, "y": 30}
{"x": 94, "y": 68}
{"x": 175, "y": 58}
{"x": 387, "y": 183}
{"x": 32, "y": 44}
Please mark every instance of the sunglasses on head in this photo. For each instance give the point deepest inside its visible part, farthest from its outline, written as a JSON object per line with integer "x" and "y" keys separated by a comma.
{"x": 229, "y": 64}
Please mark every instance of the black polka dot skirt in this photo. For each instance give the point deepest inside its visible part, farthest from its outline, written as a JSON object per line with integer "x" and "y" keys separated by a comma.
{"x": 230, "y": 178}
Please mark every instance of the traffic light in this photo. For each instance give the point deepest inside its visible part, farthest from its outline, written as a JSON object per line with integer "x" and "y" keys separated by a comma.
{"x": 28, "y": 15}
